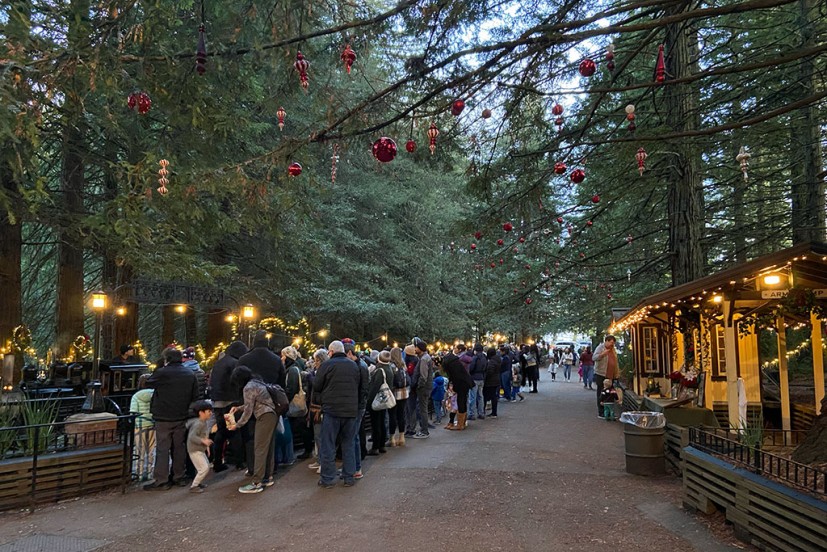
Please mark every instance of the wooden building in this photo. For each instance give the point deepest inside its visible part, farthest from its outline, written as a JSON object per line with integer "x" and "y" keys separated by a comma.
{"x": 711, "y": 323}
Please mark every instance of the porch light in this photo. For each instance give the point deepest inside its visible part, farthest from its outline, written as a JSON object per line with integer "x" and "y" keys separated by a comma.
{"x": 120, "y": 311}
{"x": 249, "y": 312}
{"x": 98, "y": 300}
{"x": 180, "y": 309}
{"x": 230, "y": 318}
{"x": 717, "y": 298}
{"x": 772, "y": 279}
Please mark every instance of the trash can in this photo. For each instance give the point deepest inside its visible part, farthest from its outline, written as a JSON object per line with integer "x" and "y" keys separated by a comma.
{"x": 643, "y": 435}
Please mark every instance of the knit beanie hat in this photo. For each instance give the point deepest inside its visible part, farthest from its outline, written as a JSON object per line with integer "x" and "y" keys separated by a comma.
{"x": 290, "y": 352}
{"x": 420, "y": 344}
{"x": 385, "y": 357}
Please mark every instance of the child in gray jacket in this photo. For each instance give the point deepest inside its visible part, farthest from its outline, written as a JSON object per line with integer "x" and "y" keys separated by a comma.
{"x": 199, "y": 443}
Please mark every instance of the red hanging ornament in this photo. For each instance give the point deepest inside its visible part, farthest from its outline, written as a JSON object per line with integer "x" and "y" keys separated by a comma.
{"x": 660, "y": 67}
{"x": 559, "y": 168}
{"x": 508, "y": 227}
{"x": 595, "y": 198}
{"x": 410, "y": 146}
{"x": 528, "y": 300}
{"x": 516, "y": 249}
{"x": 141, "y": 100}
{"x": 348, "y": 57}
{"x": 522, "y": 239}
{"x": 201, "y": 51}
{"x": 162, "y": 177}
{"x": 641, "y": 156}
{"x": 280, "y": 115}
{"x": 629, "y": 238}
{"x": 560, "y": 220}
{"x": 473, "y": 247}
{"x": 610, "y": 56}
{"x": 527, "y": 267}
{"x": 587, "y": 67}
{"x": 557, "y": 110}
{"x": 502, "y": 261}
{"x": 478, "y": 234}
{"x": 589, "y": 223}
{"x": 486, "y": 113}
{"x": 493, "y": 264}
{"x": 301, "y": 66}
{"x": 384, "y": 149}
{"x": 500, "y": 241}
{"x": 630, "y": 116}
{"x": 456, "y": 107}
{"x": 433, "y": 132}
{"x": 294, "y": 169}
{"x": 577, "y": 176}
{"x": 608, "y": 296}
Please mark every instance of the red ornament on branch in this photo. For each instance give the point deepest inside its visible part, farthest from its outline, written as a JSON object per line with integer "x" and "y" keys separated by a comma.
{"x": 478, "y": 235}
{"x": 528, "y": 300}
{"x": 348, "y": 57}
{"x": 522, "y": 239}
{"x": 660, "y": 67}
{"x": 630, "y": 116}
{"x": 433, "y": 132}
{"x": 410, "y": 146}
{"x": 559, "y": 168}
{"x": 577, "y": 176}
{"x": 610, "y": 56}
{"x": 280, "y": 115}
{"x": 560, "y": 220}
{"x": 595, "y": 198}
{"x": 486, "y": 113}
{"x": 557, "y": 110}
{"x": 201, "y": 51}
{"x": 587, "y": 67}
{"x": 456, "y": 107}
{"x": 384, "y": 149}
{"x": 473, "y": 247}
{"x": 641, "y": 156}
{"x": 508, "y": 227}
{"x": 500, "y": 241}
{"x": 589, "y": 223}
{"x": 301, "y": 66}
{"x": 140, "y": 100}
{"x": 294, "y": 169}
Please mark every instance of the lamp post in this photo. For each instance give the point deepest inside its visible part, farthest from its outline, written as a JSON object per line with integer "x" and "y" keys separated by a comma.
{"x": 94, "y": 398}
{"x": 248, "y": 313}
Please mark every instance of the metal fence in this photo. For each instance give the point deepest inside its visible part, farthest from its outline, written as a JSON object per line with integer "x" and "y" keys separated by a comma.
{"x": 729, "y": 444}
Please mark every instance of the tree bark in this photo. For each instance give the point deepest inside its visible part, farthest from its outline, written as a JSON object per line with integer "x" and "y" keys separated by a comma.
{"x": 808, "y": 209}
{"x": 190, "y": 327}
{"x": 686, "y": 221}
{"x": 216, "y": 329}
{"x": 167, "y": 325}
{"x": 11, "y": 243}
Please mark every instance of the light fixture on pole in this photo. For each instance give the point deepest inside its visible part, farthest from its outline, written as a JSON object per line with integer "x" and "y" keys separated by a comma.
{"x": 248, "y": 313}
{"x": 94, "y": 398}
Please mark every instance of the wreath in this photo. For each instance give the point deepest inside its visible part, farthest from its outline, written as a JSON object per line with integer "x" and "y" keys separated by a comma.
{"x": 82, "y": 346}
{"x": 21, "y": 339}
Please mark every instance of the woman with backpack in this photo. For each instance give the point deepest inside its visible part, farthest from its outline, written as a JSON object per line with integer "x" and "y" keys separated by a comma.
{"x": 400, "y": 387}
{"x": 257, "y": 402}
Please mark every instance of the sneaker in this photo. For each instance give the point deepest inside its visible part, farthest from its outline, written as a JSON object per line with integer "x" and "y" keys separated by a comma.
{"x": 183, "y": 482}
{"x": 248, "y": 473}
{"x": 602, "y": 417}
{"x": 492, "y": 416}
{"x": 251, "y": 488}
{"x": 314, "y": 466}
{"x": 358, "y": 475}
{"x": 157, "y": 487}
{"x": 197, "y": 489}
{"x": 350, "y": 483}
{"x": 268, "y": 481}
{"x": 421, "y": 435}
{"x": 324, "y": 485}
{"x": 513, "y": 400}
{"x": 319, "y": 470}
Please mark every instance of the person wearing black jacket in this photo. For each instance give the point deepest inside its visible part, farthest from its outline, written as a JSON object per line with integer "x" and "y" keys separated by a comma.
{"x": 175, "y": 389}
{"x": 462, "y": 383}
{"x": 505, "y": 372}
{"x": 264, "y": 362}
{"x": 224, "y": 396}
{"x": 491, "y": 387}
{"x": 477, "y": 371}
{"x": 341, "y": 388}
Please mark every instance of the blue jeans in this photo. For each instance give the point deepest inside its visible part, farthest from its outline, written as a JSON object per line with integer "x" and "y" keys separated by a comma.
{"x": 357, "y": 442}
{"x": 475, "y": 400}
{"x": 332, "y": 428}
{"x": 438, "y": 410}
{"x": 567, "y": 371}
{"x": 505, "y": 381}
{"x": 515, "y": 390}
{"x": 588, "y": 373}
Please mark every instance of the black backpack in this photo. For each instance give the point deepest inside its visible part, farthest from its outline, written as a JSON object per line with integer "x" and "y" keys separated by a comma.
{"x": 279, "y": 398}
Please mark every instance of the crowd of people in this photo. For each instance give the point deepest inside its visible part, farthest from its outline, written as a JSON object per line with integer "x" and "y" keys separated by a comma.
{"x": 259, "y": 400}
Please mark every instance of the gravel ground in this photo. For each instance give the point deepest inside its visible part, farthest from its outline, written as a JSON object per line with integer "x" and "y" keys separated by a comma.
{"x": 546, "y": 475}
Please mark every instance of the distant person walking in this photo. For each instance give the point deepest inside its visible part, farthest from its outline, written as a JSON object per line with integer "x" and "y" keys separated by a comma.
{"x": 587, "y": 366}
{"x": 605, "y": 367}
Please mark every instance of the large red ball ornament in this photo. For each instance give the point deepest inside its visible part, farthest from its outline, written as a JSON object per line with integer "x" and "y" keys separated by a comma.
{"x": 587, "y": 67}
{"x": 141, "y": 100}
{"x": 384, "y": 149}
{"x": 595, "y": 198}
{"x": 559, "y": 168}
{"x": 500, "y": 242}
{"x": 522, "y": 239}
{"x": 508, "y": 227}
{"x": 557, "y": 110}
{"x": 410, "y": 146}
{"x": 493, "y": 264}
{"x": 577, "y": 176}
{"x": 456, "y": 107}
{"x": 478, "y": 234}
{"x": 294, "y": 169}
{"x": 473, "y": 247}
{"x": 560, "y": 220}
{"x": 528, "y": 300}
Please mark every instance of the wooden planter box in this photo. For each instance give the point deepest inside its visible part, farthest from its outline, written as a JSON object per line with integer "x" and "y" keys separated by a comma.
{"x": 764, "y": 513}
{"x": 53, "y": 477}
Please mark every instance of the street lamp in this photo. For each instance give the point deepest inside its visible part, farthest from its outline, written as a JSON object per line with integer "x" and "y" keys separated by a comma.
{"x": 94, "y": 398}
{"x": 248, "y": 313}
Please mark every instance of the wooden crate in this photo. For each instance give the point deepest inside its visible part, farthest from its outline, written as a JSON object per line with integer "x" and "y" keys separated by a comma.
{"x": 61, "y": 475}
{"x": 764, "y": 513}
{"x": 676, "y": 438}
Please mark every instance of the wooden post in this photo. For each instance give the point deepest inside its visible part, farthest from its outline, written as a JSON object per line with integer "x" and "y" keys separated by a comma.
{"x": 731, "y": 349}
{"x": 818, "y": 360}
{"x": 783, "y": 374}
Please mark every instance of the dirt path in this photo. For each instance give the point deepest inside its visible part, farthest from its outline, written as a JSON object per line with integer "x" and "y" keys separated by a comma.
{"x": 547, "y": 475}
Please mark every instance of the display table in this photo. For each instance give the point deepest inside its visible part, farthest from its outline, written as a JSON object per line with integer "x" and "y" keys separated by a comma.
{"x": 686, "y": 415}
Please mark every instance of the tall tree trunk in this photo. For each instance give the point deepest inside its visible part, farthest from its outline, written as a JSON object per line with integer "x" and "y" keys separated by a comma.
{"x": 686, "y": 202}
{"x": 808, "y": 209}
{"x": 216, "y": 329}
{"x": 190, "y": 326}
{"x": 126, "y": 325}
{"x": 70, "y": 292}
{"x": 167, "y": 325}
{"x": 11, "y": 242}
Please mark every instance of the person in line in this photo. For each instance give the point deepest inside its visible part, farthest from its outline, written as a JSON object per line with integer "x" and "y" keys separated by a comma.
{"x": 609, "y": 400}
{"x": 258, "y": 404}
{"x": 438, "y": 396}
{"x": 605, "y": 366}
{"x": 360, "y": 440}
{"x": 491, "y": 387}
{"x": 381, "y": 375}
{"x": 587, "y": 365}
{"x": 176, "y": 388}
{"x": 461, "y": 383}
{"x": 516, "y": 380}
{"x": 505, "y": 373}
{"x": 188, "y": 355}
{"x": 199, "y": 443}
{"x": 412, "y": 414}
{"x": 338, "y": 386}
{"x": 127, "y": 355}
{"x": 401, "y": 385}
{"x": 264, "y": 362}
{"x": 144, "y": 429}
{"x": 314, "y": 407}
{"x": 425, "y": 368}
{"x": 476, "y": 403}
{"x": 450, "y": 405}
{"x": 224, "y": 396}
